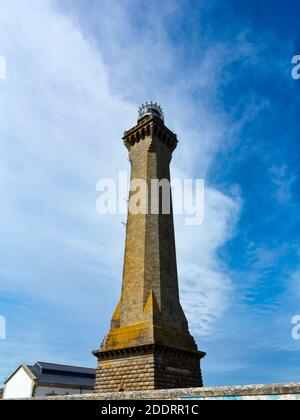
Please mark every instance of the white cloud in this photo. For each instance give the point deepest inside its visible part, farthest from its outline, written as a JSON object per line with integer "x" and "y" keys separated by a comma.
{"x": 207, "y": 288}
{"x": 283, "y": 181}
{"x": 62, "y": 117}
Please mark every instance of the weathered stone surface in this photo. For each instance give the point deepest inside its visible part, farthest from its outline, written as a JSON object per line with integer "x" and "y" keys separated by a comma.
{"x": 289, "y": 391}
{"x": 146, "y": 368}
{"x": 149, "y": 324}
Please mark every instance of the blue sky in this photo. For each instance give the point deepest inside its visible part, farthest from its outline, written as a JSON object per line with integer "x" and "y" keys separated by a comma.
{"x": 76, "y": 73}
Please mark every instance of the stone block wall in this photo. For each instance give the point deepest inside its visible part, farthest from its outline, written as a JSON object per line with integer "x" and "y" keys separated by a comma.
{"x": 130, "y": 373}
{"x": 147, "y": 368}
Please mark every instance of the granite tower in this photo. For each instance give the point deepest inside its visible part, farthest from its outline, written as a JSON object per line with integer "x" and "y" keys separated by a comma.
{"x": 149, "y": 345}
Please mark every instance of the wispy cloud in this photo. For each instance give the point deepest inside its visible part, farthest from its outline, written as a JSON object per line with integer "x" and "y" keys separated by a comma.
{"x": 75, "y": 76}
{"x": 61, "y": 131}
{"x": 283, "y": 181}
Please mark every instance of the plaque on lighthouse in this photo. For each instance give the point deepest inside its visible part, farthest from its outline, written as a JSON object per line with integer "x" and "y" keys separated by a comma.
{"x": 149, "y": 345}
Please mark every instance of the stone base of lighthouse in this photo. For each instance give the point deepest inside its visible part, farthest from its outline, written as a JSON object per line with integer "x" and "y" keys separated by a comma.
{"x": 147, "y": 367}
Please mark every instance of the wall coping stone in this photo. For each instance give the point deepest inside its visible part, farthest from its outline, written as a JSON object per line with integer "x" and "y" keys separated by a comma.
{"x": 173, "y": 394}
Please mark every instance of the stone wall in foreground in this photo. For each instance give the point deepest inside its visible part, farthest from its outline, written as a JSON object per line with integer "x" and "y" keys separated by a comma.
{"x": 251, "y": 392}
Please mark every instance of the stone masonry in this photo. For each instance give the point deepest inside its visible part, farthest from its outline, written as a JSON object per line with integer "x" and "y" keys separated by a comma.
{"x": 149, "y": 345}
{"x": 277, "y": 392}
{"x": 148, "y": 368}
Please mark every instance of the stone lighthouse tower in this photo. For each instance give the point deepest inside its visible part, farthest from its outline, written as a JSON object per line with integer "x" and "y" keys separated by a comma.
{"x": 149, "y": 345}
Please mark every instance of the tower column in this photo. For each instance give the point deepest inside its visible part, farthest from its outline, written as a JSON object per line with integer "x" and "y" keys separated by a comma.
{"x": 149, "y": 345}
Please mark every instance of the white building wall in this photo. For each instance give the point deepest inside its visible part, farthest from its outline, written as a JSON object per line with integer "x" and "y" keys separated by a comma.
{"x": 20, "y": 385}
{"x": 42, "y": 391}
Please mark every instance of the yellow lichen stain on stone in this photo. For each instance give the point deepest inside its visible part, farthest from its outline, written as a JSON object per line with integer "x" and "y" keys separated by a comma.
{"x": 151, "y": 305}
{"x": 117, "y": 314}
{"x": 129, "y": 336}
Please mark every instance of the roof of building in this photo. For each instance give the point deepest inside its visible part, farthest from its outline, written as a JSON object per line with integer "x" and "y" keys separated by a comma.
{"x": 54, "y": 374}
